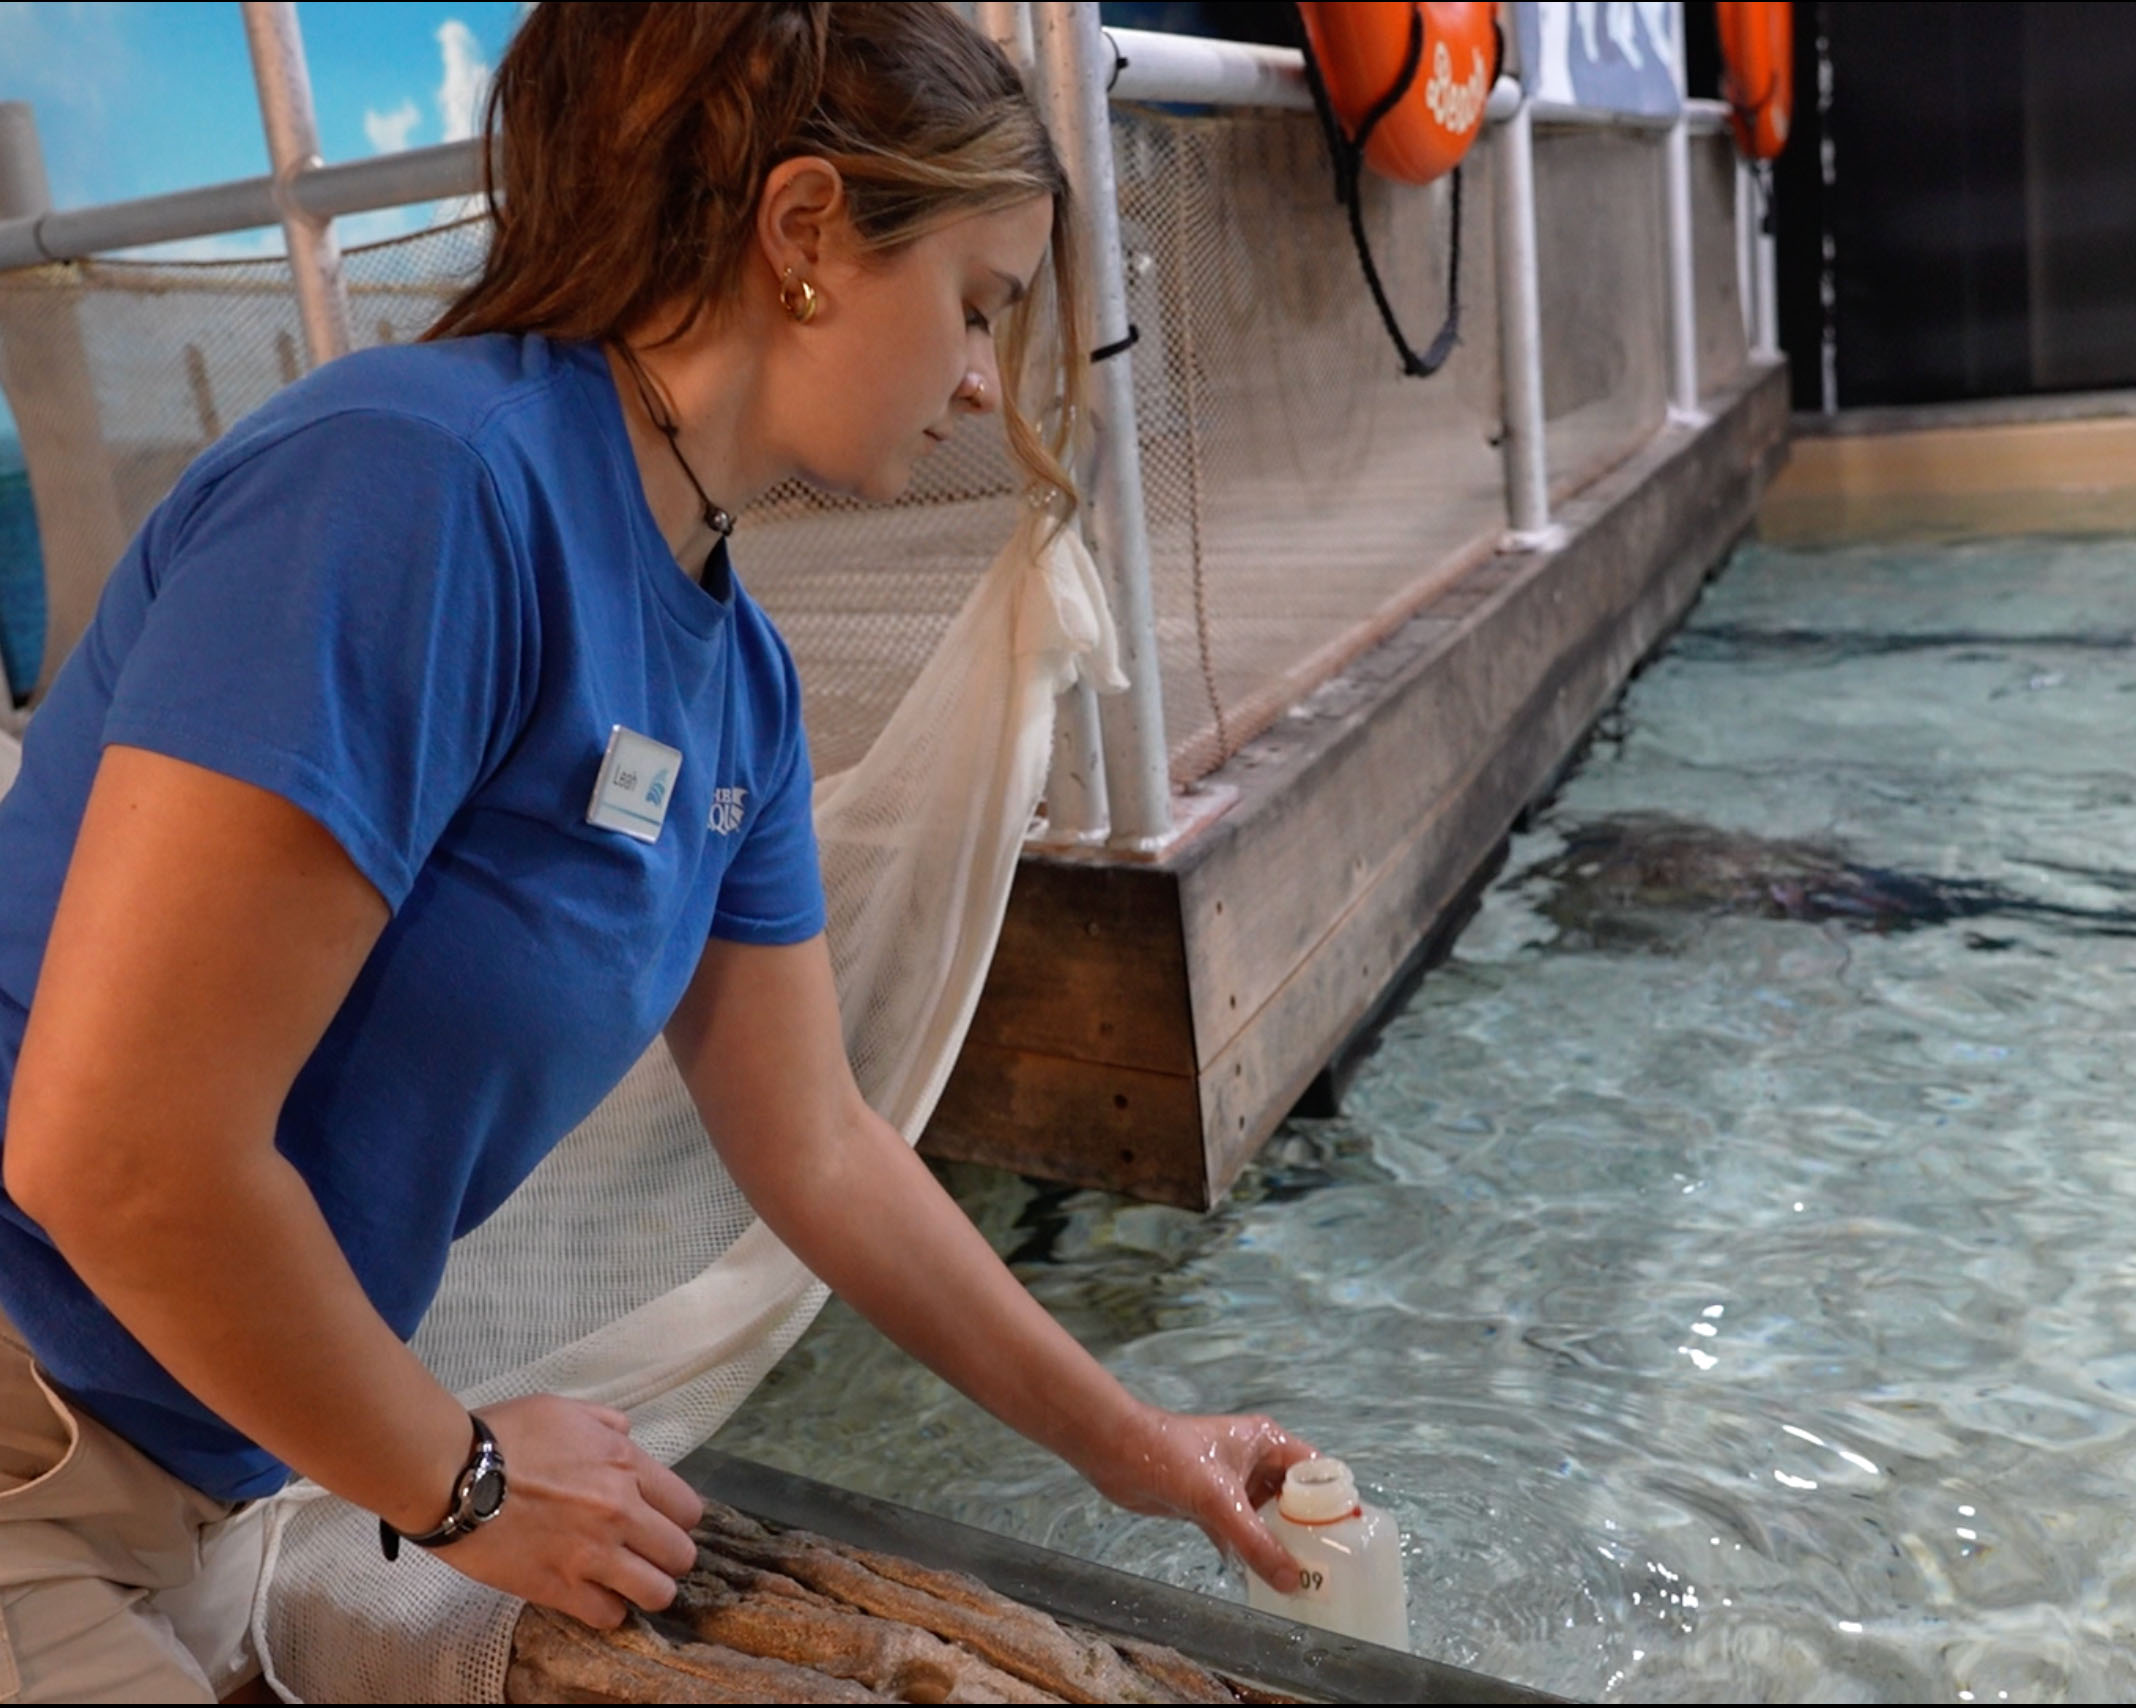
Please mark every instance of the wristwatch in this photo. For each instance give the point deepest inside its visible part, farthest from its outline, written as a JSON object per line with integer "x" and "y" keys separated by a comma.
{"x": 477, "y": 1497}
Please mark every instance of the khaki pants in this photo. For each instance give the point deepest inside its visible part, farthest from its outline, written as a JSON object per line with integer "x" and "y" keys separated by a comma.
{"x": 118, "y": 1582}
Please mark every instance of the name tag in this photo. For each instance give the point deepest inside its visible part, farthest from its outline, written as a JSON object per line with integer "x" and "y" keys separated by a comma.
{"x": 636, "y": 782}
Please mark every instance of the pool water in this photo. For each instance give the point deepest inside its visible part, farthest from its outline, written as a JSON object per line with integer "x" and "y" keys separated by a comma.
{"x": 1730, "y": 1284}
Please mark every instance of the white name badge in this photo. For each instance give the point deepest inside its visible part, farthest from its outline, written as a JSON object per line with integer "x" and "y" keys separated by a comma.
{"x": 636, "y": 782}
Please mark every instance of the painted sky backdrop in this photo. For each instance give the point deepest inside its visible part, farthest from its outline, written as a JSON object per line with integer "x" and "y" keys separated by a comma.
{"x": 136, "y": 97}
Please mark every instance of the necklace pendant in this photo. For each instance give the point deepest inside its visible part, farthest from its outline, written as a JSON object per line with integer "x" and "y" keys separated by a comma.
{"x": 719, "y": 520}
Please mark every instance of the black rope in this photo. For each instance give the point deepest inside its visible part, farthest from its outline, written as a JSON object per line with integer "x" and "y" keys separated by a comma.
{"x": 1348, "y": 154}
{"x": 1119, "y": 346}
{"x": 717, "y": 576}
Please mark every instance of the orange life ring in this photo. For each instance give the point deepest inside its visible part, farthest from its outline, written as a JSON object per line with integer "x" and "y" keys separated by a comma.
{"x": 1758, "y": 50}
{"x": 1361, "y": 50}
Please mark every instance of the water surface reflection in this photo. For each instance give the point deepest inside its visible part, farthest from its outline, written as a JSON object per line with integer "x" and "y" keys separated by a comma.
{"x": 1726, "y": 1266}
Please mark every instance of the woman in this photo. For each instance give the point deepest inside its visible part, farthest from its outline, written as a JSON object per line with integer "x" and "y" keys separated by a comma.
{"x": 424, "y": 760}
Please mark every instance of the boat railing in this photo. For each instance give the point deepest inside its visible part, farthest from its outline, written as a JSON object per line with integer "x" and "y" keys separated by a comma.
{"x": 1116, "y": 770}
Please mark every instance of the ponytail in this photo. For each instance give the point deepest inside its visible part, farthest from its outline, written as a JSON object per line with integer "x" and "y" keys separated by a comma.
{"x": 629, "y": 144}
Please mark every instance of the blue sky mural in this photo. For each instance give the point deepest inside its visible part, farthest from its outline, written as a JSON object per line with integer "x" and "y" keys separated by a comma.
{"x": 136, "y": 98}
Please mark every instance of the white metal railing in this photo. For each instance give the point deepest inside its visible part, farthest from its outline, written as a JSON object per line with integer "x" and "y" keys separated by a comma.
{"x": 1111, "y": 777}
{"x": 1683, "y": 296}
{"x": 284, "y": 84}
{"x": 1069, "y": 58}
{"x": 1520, "y": 321}
{"x": 322, "y": 192}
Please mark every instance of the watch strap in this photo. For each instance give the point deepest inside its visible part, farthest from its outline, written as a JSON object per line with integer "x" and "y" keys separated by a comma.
{"x": 460, "y": 1519}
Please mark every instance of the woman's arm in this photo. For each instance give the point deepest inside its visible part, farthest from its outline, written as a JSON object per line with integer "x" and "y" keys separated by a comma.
{"x": 207, "y": 933}
{"x": 758, "y": 1040}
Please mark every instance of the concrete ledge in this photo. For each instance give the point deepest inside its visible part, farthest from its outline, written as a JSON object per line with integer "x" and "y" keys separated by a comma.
{"x": 2028, "y": 466}
{"x": 1972, "y": 412}
{"x": 1147, "y": 1026}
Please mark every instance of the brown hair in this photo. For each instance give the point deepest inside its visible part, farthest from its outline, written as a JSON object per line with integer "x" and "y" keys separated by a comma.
{"x": 635, "y": 139}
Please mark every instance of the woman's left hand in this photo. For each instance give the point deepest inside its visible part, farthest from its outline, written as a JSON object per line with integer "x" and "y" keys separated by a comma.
{"x": 1216, "y": 1471}
{"x": 758, "y": 1039}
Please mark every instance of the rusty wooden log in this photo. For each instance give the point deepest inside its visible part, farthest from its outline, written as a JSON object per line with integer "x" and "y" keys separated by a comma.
{"x": 786, "y": 1616}
{"x": 1024, "y": 1643}
{"x": 557, "y": 1659}
{"x": 901, "y": 1661}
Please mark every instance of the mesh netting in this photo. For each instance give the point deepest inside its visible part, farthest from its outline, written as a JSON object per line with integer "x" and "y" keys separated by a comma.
{"x": 1302, "y": 499}
{"x": 120, "y": 373}
{"x": 864, "y": 593}
{"x": 1604, "y": 273}
{"x": 1302, "y": 496}
{"x": 1723, "y": 344}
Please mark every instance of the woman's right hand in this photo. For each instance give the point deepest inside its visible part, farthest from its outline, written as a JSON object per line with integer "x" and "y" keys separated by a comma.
{"x": 208, "y": 933}
{"x": 590, "y": 1521}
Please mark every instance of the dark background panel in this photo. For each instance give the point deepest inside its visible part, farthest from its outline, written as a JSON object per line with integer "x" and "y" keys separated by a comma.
{"x": 1794, "y": 203}
{"x": 1956, "y": 209}
{"x": 1928, "y": 214}
{"x": 2080, "y": 142}
{"x": 1958, "y": 213}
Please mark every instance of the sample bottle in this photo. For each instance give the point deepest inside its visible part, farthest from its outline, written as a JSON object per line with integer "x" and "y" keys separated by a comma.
{"x": 1350, "y": 1555}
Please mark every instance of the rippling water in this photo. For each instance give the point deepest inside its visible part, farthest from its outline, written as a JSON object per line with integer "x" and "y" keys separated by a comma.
{"x": 1729, "y": 1306}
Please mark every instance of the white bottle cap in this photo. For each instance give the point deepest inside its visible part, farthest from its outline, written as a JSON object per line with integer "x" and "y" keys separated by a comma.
{"x": 1318, "y": 1491}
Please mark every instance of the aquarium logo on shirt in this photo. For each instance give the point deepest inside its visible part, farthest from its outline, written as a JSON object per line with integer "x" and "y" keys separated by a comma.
{"x": 728, "y": 806}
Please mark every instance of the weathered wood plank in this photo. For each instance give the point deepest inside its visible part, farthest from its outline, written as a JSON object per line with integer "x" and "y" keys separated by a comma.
{"x": 1147, "y": 1025}
{"x": 1092, "y": 964}
{"x": 1138, "y": 1610}
{"x": 1089, "y": 1123}
{"x": 1266, "y": 1065}
{"x": 1325, "y": 807}
{"x": 774, "y": 1615}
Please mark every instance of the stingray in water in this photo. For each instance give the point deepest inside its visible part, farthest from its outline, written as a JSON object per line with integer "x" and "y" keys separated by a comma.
{"x": 1617, "y": 878}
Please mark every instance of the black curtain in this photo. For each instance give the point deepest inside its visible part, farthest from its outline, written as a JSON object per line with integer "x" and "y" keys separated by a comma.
{"x": 1957, "y": 213}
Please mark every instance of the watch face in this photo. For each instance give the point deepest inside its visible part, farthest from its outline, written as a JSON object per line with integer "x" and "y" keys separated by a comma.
{"x": 487, "y": 1494}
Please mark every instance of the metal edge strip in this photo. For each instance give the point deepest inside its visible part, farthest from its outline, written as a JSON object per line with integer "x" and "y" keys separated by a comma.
{"x": 1243, "y": 1642}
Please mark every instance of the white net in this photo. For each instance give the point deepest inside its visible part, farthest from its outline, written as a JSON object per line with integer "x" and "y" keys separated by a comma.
{"x": 1302, "y": 496}
{"x": 1302, "y": 499}
{"x": 628, "y": 1270}
{"x": 1604, "y": 287}
{"x": 1723, "y": 342}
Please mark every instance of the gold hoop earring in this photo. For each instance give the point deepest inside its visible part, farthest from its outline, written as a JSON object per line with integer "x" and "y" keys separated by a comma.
{"x": 799, "y": 298}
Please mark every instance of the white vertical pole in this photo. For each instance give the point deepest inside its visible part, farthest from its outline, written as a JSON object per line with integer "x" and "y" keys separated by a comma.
{"x": 1683, "y": 297}
{"x": 1073, "y": 67}
{"x": 1746, "y": 235}
{"x": 1076, "y": 806}
{"x": 1520, "y": 334}
{"x": 284, "y": 84}
{"x": 1767, "y": 345}
{"x": 1007, "y": 23}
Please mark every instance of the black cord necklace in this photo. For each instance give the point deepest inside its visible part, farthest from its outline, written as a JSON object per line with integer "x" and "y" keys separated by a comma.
{"x": 717, "y": 516}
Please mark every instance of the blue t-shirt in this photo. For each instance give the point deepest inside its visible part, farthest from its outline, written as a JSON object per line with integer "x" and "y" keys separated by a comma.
{"x": 416, "y": 595}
